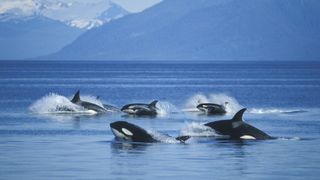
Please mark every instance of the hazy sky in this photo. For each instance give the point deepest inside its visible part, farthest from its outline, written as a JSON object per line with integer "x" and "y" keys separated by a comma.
{"x": 136, "y": 5}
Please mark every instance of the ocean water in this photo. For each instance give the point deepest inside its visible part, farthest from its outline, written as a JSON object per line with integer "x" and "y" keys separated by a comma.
{"x": 36, "y": 142}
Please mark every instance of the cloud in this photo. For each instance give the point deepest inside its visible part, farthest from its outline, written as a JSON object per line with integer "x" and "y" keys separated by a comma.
{"x": 23, "y": 6}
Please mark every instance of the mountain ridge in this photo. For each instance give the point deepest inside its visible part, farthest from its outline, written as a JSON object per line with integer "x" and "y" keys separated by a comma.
{"x": 82, "y": 15}
{"x": 41, "y": 27}
{"x": 206, "y": 30}
{"x": 32, "y": 36}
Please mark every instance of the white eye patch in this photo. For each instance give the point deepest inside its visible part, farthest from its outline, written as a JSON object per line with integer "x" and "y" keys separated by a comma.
{"x": 126, "y": 131}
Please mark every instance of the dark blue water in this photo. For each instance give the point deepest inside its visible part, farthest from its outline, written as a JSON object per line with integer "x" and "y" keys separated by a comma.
{"x": 282, "y": 98}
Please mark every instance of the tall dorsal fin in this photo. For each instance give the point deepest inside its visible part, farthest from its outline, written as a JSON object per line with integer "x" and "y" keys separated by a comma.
{"x": 153, "y": 103}
{"x": 238, "y": 115}
{"x": 76, "y": 97}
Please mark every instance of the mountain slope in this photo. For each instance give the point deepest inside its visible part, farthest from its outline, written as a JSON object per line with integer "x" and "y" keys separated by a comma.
{"x": 206, "y": 30}
{"x": 82, "y": 14}
{"x": 33, "y": 36}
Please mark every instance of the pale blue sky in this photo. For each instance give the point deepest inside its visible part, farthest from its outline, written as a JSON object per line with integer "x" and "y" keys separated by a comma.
{"x": 136, "y": 5}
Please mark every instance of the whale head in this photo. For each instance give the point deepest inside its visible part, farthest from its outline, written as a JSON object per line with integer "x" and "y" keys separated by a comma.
{"x": 211, "y": 108}
{"x": 141, "y": 109}
{"x": 127, "y": 131}
{"x": 130, "y": 109}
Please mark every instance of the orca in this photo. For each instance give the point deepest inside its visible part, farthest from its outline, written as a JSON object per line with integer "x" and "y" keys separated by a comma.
{"x": 126, "y": 131}
{"x": 140, "y": 109}
{"x": 237, "y": 129}
{"x": 213, "y": 109}
{"x": 87, "y": 105}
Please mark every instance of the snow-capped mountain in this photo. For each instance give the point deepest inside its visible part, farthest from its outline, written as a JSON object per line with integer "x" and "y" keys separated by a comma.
{"x": 81, "y": 14}
{"x": 32, "y": 28}
{"x": 113, "y": 11}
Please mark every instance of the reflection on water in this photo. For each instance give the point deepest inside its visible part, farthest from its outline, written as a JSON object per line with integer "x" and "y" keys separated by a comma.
{"x": 119, "y": 147}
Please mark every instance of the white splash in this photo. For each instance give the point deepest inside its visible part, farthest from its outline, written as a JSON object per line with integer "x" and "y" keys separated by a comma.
{"x": 195, "y": 100}
{"x": 165, "y": 108}
{"x": 51, "y": 104}
{"x": 57, "y": 104}
{"x": 163, "y": 137}
{"x": 91, "y": 99}
{"x": 197, "y": 130}
{"x": 233, "y": 105}
{"x": 274, "y": 111}
{"x": 289, "y": 138}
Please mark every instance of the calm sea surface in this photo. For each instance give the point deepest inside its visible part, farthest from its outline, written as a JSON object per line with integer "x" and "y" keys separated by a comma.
{"x": 283, "y": 99}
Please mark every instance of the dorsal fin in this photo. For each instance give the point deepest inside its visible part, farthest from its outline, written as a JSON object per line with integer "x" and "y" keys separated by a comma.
{"x": 76, "y": 97}
{"x": 153, "y": 103}
{"x": 238, "y": 115}
{"x": 182, "y": 138}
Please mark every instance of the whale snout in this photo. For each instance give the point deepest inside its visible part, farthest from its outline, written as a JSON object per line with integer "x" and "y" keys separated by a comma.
{"x": 113, "y": 125}
{"x": 200, "y": 106}
{"x": 126, "y": 107}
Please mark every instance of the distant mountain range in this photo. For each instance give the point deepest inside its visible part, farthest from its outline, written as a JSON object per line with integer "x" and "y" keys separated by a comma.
{"x": 206, "y": 30}
{"x": 33, "y": 36}
{"x": 38, "y": 28}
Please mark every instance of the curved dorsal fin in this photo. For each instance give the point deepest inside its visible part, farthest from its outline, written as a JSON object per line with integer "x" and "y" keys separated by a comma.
{"x": 153, "y": 103}
{"x": 238, "y": 115}
{"x": 76, "y": 97}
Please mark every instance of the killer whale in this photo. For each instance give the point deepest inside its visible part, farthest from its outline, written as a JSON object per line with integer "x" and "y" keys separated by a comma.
{"x": 87, "y": 105}
{"x": 126, "y": 131}
{"x": 212, "y": 109}
{"x": 237, "y": 129}
{"x": 141, "y": 109}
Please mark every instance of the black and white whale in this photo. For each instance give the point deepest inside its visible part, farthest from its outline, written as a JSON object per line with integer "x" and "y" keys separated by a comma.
{"x": 131, "y": 132}
{"x": 213, "y": 109}
{"x": 141, "y": 109}
{"x": 237, "y": 129}
{"x": 87, "y": 105}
